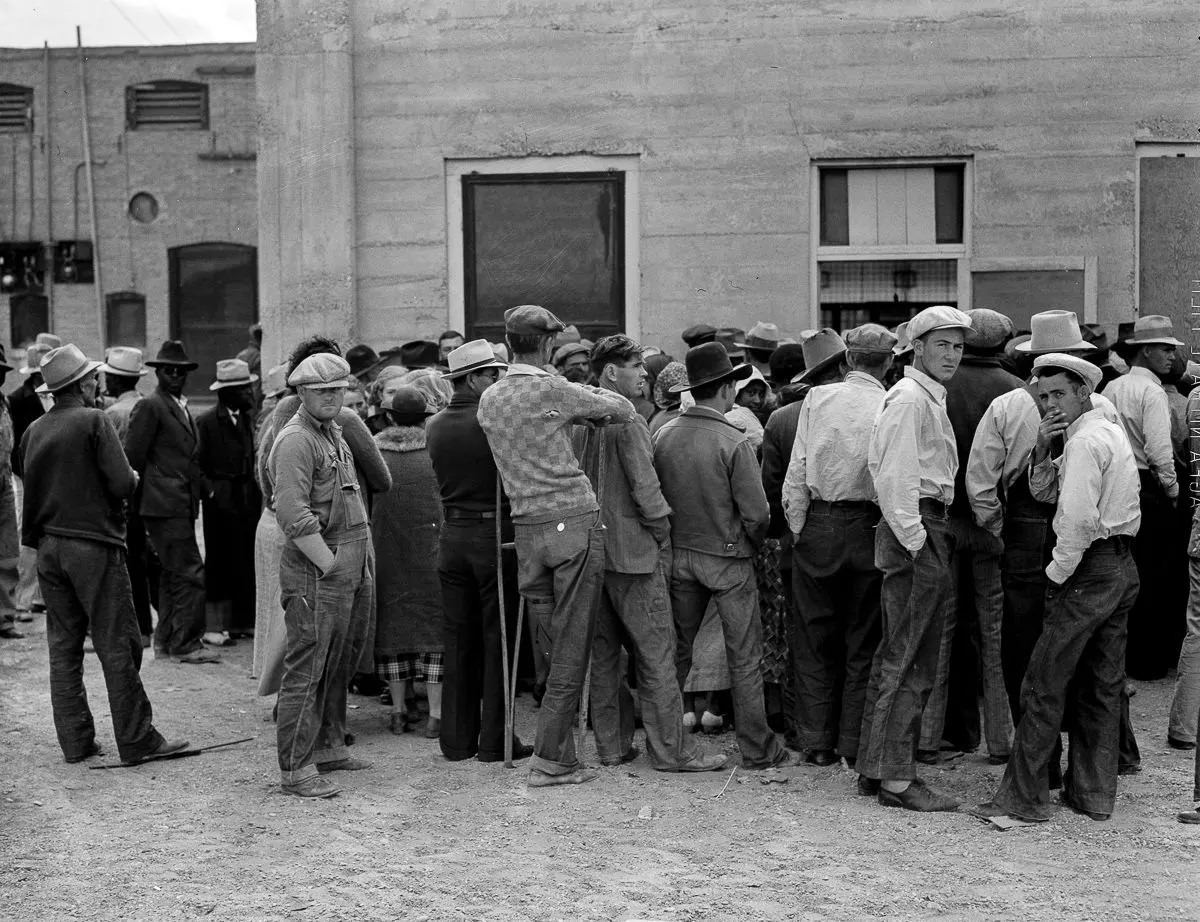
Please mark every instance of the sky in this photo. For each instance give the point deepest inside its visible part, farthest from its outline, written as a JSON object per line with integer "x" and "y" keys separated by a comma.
{"x": 29, "y": 23}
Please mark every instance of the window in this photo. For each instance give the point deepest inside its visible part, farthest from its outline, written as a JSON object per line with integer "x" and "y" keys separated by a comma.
{"x": 28, "y": 315}
{"x": 73, "y": 262}
{"x": 16, "y": 108}
{"x": 890, "y": 240}
{"x": 166, "y": 104}
{"x": 125, "y": 319}
{"x": 22, "y": 267}
{"x": 556, "y": 231}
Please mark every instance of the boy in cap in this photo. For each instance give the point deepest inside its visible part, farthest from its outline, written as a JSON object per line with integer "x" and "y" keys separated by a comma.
{"x": 970, "y": 660}
{"x": 829, "y": 500}
{"x": 77, "y": 480}
{"x": 326, "y": 577}
{"x": 1145, "y": 413}
{"x": 913, "y": 460}
{"x": 634, "y": 603}
{"x": 527, "y": 417}
{"x": 1076, "y": 674}
{"x": 719, "y": 516}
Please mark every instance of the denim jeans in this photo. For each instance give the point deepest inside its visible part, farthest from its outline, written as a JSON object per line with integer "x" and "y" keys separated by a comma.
{"x": 1023, "y": 566}
{"x": 181, "y": 585}
{"x": 328, "y": 619}
{"x": 1075, "y": 681}
{"x": 561, "y": 571}
{"x": 915, "y": 596}
{"x": 697, "y": 579}
{"x": 86, "y": 587}
{"x": 837, "y": 629}
{"x": 636, "y": 607}
{"x": 473, "y": 684}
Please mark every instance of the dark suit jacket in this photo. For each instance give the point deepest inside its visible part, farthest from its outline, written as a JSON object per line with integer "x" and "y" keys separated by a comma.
{"x": 161, "y": 446}
{"x": 26, "y": 406}
{"x": 225, "y": 453}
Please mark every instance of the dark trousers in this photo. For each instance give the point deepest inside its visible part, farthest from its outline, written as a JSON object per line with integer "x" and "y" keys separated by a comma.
{"x": 696, "y": 580}
{"x": 915, "y": 596}
{"x": 1075, "y": 680}
{"x": 229, "y": 566}
{"x": 86, "y": 587}
{"x": 328, "y": 619}
{"x": 837, "y": 589}
{"x": 473, "y": 683}
{"x": 144, "y": 571}
{"x": 181, "y": 585}
{"x": 1158, "y": 615}
{"x": 1023, "y": 566}
{"x": 635, "y": 608}
{"x": 561, "y": 569}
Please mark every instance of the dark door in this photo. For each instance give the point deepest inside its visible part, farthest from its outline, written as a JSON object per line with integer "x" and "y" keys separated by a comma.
{"x": 214, "y": 299}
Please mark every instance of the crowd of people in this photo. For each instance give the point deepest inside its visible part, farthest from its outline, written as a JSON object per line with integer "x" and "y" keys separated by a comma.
{"x": 881, "y": 548}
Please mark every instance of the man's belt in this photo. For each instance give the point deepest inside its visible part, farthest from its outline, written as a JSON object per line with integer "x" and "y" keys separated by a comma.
{"x": 820, "y": 506}
{"x": 464, "y": 515}
{"x": 930, "y": 506}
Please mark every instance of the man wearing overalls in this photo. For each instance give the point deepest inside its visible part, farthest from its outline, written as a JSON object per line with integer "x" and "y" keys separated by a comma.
{"x": 326, "y": 578}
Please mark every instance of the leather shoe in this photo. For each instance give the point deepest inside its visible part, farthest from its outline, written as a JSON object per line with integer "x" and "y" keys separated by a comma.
{"x": 704, "y": 762}
{"x": 919, "y": 798}
{"x": 344, "y": 765}
{"x": 197, "y": 657}
{"x": 1068, "y": 802}
{"x": 579, "y": 776}
{"x": 316, "y": 786}
{"x": 9, "y": 633}
{"x": 629, "y": 756}
{"x": 1133, "y": 769}
{"x": 166, "y": 749}
{"x": 1192, "y": 817}
{"x": 867, "y": 787}
{"x": 92, "y": 750}
{"x": 821, "y": 757}
{"x": 520, "y": 751}
{"x": 1180, "y": 744}
{"x": 433, "y": 729}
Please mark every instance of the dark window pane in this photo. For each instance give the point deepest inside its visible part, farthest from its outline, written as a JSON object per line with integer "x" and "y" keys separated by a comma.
{"x": 554, "y": 240}
{"x": 29, "y": 315}
{"x": 835, "y": 208}
{"x": 948, "y": 203}
{"x": 125, "y": 319}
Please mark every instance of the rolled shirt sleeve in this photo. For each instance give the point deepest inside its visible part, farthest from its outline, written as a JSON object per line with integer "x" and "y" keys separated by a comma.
{"x": 1043, "y": 481}
{"x": 896, "y": 470}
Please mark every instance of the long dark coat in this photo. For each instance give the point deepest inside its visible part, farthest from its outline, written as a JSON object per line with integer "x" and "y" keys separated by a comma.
{"x": 405, "y": 523}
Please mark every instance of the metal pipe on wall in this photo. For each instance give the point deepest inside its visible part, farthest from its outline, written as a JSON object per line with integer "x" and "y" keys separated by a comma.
{"x": 47, "y": 163}
{"x": 87, "y": 154}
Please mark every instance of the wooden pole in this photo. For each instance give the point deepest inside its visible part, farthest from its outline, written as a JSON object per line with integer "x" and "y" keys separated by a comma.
{"x": 47, "y": 166}
{"x": 97, "y": 282}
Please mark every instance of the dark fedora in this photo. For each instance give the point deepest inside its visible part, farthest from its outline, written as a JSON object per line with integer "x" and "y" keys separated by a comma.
{"x": 171, "y": 353}
{"x": 708, "y": 363}
{"x": 420, "y": 353}
{"x": 361, "y": 358}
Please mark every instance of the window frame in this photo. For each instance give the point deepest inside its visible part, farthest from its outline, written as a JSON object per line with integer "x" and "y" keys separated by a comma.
{"x": 128, "y": 296}
{"x": 28, "y": 93}
{"x": 456, "y": 169}
{"x": 960, "y": 252}
{"x": 131, "y": 108}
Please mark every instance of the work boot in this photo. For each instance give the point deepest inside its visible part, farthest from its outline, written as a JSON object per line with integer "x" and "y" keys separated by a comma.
{"x": 919, "y": 798}
{"x": 344, "y": 765}
{"x": 316, "y": 786}
{"x": 579, "y": 776}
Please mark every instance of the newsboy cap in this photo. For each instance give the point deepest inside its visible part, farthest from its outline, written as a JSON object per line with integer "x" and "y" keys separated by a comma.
{"x": 1089, "y": 371}
{"x": 989, "y": 331}
{"x": 937, "y": 317}
{"x": 321, "y": 370}
{"x": 870, "y": 339}
{"x": 531, "y": 320}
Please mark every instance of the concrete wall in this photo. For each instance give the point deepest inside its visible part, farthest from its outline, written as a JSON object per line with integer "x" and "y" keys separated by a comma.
{"x": 200, "y": 200}
{"x": 727, "y": 103}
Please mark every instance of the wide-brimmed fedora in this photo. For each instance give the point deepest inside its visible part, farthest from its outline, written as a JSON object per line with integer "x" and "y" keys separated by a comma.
{"x": 730, "y": 339}
{"x": 361, "y": 358}
{"x": 232, "y": 373}
{"x": 124, "y": 360}
{"x": 64, "y": 366}
{"x": 1054, "y": 331}
{"x": 1151, "y": 330}
{"x": 708, "y": 363}
{"x": 821, "y": 351}
{"x": 275, "y": 381}
{"x": 171, "y": 353}
{"x": 34, "y": 354}
{"x": 477, "y": 355}
{"x": 763, "y": 337}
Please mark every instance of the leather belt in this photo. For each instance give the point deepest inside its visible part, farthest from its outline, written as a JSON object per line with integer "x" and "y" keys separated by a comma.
{"x": 463, "y": 515}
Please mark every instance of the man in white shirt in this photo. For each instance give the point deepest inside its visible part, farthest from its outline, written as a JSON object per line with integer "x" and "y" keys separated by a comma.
{"x": 1076, "y": 673}
{"x": 829, "y": 500}
{"x": 913, "y": 458}
{"x": 1142, "y": 402}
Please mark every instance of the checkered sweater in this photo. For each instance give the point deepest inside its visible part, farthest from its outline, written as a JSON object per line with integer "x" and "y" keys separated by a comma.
{"x": 527, "y": 416}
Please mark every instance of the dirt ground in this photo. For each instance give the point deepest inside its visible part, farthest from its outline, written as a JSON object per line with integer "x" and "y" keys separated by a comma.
{"x": 421, "y": 838}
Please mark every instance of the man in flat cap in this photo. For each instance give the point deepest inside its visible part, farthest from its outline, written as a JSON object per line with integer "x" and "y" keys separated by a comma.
{"x": 571, "y": 361}
{"x": 326, "y": 577}
{"x": 698, "y": 334}
{"x": 1076, "y": 675}
{"x": 1146, "y": 415}
{"x": 829, "y": 500}
{"x": 719, "y": 517}
{"x": 969, "y": 662}
{"x": 527, "y": 417}
{"x": 913, "y": 460}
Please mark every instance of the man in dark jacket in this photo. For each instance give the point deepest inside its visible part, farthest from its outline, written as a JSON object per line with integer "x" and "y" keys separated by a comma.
{"x": 719, "y": 515}
{"x": 225, "y": 453}
{"x": 161, "y": 445}
{"x": 77, "y": 483}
